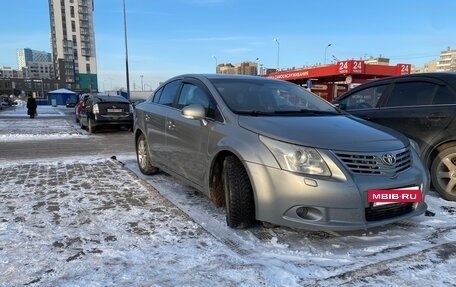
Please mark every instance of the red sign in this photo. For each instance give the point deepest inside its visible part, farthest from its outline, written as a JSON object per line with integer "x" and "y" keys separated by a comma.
{"x": 403, "y": 69}
{"x": 385, "y": 196}
{"x": 351, "y": 66}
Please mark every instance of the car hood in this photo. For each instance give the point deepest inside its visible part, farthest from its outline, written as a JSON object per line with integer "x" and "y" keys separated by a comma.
{"x": 342, "y": 133}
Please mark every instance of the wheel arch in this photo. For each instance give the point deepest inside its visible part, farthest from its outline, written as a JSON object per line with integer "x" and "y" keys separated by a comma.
{"x": 216, "y": 192}
{"x": 436, "y": 150}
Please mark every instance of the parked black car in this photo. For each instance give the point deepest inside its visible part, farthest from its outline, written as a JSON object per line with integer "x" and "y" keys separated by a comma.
{"x": 103, "y": 110}
{"x": 421, "y": 106}
{"x": 70, "y": 103}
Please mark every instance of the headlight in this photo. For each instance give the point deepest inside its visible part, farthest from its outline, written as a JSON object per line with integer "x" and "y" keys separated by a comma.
{"x": 297, "y": 158}
{"x": 95, "y": 109}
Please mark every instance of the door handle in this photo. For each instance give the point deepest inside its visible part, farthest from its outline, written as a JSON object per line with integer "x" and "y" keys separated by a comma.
{"x": 171, "y": 125}
{"x": 436, "y": 116}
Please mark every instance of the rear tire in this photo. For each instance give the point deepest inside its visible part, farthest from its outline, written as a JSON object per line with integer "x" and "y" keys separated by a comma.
{"x": 240, "y": 205}
{"x": 443, "y": 173}
{"x": 143, "y": 157}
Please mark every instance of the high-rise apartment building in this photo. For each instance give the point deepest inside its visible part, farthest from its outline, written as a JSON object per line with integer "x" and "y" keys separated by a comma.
{"x": 26, "y": 56}
{"x": 447, "y": 61}
{"x": 73, "y": 43}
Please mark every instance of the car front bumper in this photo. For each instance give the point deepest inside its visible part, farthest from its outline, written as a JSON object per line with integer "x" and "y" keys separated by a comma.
{"x": 328, "y": 203}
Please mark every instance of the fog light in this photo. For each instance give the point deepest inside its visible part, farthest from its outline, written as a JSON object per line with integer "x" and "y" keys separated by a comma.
{"x": 302, "y": 212}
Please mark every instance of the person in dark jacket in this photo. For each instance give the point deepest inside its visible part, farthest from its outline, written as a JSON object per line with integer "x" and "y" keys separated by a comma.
{"x": 31, "y": 106}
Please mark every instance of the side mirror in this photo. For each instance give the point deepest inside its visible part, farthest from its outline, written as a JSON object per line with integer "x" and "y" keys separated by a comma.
{"x": 194, "y": 112}
{"x": 341, "y": 106}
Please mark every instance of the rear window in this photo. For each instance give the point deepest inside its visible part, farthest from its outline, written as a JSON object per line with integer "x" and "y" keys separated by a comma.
{"x": 411, "y": 94}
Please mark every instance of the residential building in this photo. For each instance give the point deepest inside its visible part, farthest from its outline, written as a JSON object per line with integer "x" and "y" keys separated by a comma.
{"x": 447, "y": 61}
{"x": 430, "y": 66}
{"x": 377, "y": 61}
{"x": 247, "y": 68}
{"x": 73, "y": 43}
{"x": 8, "y": 72}
{"x": 26, "y": 56}
{"x": 226, "y": 69}
{"x": 39, "y": 70}
{"x": 244, "y": 68}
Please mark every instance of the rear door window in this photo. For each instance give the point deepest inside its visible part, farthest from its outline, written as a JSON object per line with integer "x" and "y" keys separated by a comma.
{"x": 156, "y": 96}
{"x": 411, "y": 94}
{"x": 169, "y": 93}
{"x": 444, "y": 96}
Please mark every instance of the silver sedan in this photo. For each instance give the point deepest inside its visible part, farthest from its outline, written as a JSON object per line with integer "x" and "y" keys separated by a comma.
{"x": 272, "y": 152}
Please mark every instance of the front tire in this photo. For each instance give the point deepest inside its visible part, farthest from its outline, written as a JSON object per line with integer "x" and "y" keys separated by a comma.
{"x": 240, "y": 205}
{"x": 143, "y": 157}
{"x": 443, "y": 173}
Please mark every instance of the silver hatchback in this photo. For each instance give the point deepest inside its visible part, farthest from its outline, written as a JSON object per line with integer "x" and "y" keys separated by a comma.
{"x": 270, "y": 151}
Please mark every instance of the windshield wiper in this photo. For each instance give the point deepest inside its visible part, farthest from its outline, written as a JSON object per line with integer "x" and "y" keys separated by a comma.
{"x": 254, "y": 113}
{"x": 306, "y": 112}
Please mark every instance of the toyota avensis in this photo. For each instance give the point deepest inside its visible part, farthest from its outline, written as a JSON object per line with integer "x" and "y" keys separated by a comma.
{"x": 270, "y": 151}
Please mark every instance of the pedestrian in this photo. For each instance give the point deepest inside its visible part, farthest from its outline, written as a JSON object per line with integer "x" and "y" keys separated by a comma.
{"x": 31, "y": 106}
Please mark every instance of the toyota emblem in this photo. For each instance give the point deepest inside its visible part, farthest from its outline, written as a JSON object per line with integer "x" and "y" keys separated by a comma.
{"x": 389, "y": 159}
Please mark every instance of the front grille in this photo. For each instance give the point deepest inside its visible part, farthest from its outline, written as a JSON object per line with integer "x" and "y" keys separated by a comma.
{"x": 374, "y": 163}
{"x": 388, "y": 211}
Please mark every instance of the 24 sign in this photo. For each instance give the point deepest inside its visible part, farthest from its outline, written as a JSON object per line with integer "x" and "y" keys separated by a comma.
{"x": 347, "y": 67}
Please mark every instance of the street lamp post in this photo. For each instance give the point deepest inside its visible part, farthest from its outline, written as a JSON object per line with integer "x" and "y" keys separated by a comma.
{"x": 278, "y": 52}
{"x": 126, "y": 50}
{"x": 326, "y": 49}
{"x": 215, "y": 58}
{"x": 142, "y": 85}
{"x": 256, "y": 61}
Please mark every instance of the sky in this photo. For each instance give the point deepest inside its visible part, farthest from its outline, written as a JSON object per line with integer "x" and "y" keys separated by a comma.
{"x": 170, "y": 37}
{"x": 73, "y": 221}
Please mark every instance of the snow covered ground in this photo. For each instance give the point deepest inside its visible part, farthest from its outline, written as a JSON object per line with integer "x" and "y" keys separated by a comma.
{"x": 99, "y": 222}
{"x": 16, "y": 125}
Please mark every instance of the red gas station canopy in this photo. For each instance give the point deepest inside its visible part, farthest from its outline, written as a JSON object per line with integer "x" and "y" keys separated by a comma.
{"x": 330, "y": 81}
{"x": 356, "y": 68}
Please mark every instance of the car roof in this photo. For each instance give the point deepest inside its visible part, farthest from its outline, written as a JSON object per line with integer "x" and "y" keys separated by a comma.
{"x": 449, "y": 77}
{"x": 223, "y": 76}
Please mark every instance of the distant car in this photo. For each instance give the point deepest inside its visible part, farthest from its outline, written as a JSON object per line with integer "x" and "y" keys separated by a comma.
{"x": 5, "y": 102}
{"x": 79, "y": 105}
{"x": 421, "y": 106}
{"x": 3, "y": 105}
{"x": 270, "y": 151}
{"x": 103, "y": 110}
{"x": 70, "y": 103}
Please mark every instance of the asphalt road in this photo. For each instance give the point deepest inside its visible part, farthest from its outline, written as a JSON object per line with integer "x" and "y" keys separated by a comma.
{"x": 106, "y": 142}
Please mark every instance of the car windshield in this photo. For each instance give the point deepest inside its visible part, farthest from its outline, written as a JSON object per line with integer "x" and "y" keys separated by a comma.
{"x": 259, "y": 97}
